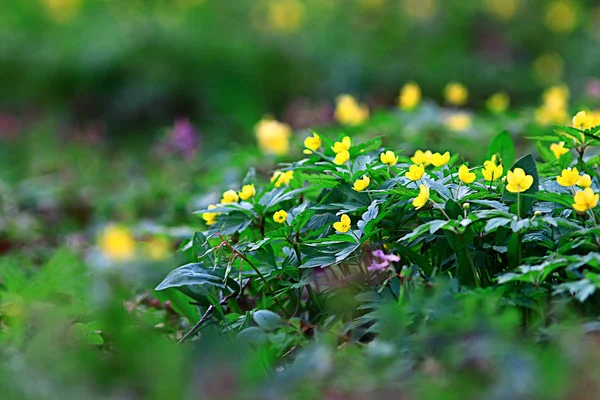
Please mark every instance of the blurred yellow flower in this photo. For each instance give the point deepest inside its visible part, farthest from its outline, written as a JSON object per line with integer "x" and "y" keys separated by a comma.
{"x": 554, "y": 106}
{"x": 281, "y": 178}
{"x": 280, "y": 216}
{"x": 117, "y": 243}
{"x": 518, "y": 181}
{"x": 209, "y": 217}
{"x": 585, "y": 200}
{"x": 459, "y": 122}
{"x": 285, "y": 16}
{"x": 422, "y": 157}
{"x": 247, "y": 192}
{"x": 342, "y": 146}
{"x": 498, "y": 102}
{"x": 584, "y": 181}
{"x": 415, "y": 172}
{"x": 62, "y": 11}
{"x": 343, "y": 225}
{"x": 362, "y": 184}
{"x": 568, "y": 177}
{"x": 341, "y": 157}
{"x": 438, "y": 159}
{"x": 558, "y": 149}
{"x": 502, "y": 9}
{"x": 422, "y": 198}
{"x": 410, "y": 96}
{"x": 389, "y": 158}
{"x": 465, "y": 176}
{"x": 158, "y": 248}
{"x": 230, "y": 196}
{"x": 273, "y": 136}
{"x": 561, "y": 16}
{"x": 349, "y": 112}
{"x": 491, "y": 171}
{"x": 421, "y": 10}
{"x": 456, "y": 94}
{"x": 312, "y": 143}
{"x": 548, "y": 68}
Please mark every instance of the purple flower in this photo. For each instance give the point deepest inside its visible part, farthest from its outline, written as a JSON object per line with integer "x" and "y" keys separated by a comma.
{"x": 182, "y": 140}
{"x": 381, "y": 261}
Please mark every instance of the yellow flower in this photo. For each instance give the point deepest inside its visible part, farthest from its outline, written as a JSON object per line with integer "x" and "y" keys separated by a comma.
{"x": 117, "y": 243}
{"x": 518, "y": 181}
{"x": 349, "y": 112}
{"x": 230, "y": 196}
{"x": 209, "y": 217}
{"x": 585, "y": 200}
{"x": 410, "y": 96}
{"x": 422, "y": 198}
{"x": 502, "y": 9}
{"x": 158, "y": 248}
{"x": 362, "y": 184}
{"x": 582, "y": 120}
{"x": 464, "y": 174}
{"x": 422, "y": 157}
{"x": 62, "y": 11}
{"x": 438, "y": 159}
{"x": 458, "y": 122}
{"x": 343, "y": 225}
{"x": 247, "y": 192}
{"x": 558, "y": 149}
{"x": 584, "y": 181}
{"x": 344, "y": 145}
{"x": 281, "y": 178}
{"x": 312, "y": 143}
{"x": 561, "y": 16}
{"x": 341, "y": 157}
{"x": 415, "y": 172}
{"x": 285, "y": 16}
{"x": 568, "y": 177}
{"x": 498, "y": 102}
{"x": 420, "y": 10}
{"x": 456, "y": 94}
{"x": 491, "y": 171}
{"x": 389, "y": 158}
{"x": 273, "y": 136}
{"x": 280, "y": 216}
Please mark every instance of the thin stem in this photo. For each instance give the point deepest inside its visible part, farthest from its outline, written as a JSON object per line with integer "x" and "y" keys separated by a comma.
{"x": 260, "y": 275}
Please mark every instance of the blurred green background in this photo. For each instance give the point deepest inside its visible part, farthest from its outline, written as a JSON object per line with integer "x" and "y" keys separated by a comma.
{"x": 132, "y": 64}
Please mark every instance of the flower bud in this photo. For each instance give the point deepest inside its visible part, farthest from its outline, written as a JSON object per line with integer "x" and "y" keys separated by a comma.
{"x": 537, "y": 214}
{"x": 466, "y": 206}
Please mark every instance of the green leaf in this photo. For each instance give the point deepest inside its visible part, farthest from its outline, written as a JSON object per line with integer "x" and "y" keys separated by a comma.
{"x": 267, "y": 320}
{"x": 503, "y": 145}
{"x": 192, "y": 274}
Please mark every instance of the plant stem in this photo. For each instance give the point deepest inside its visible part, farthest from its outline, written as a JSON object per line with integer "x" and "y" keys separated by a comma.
{"x": 260, "y": 275}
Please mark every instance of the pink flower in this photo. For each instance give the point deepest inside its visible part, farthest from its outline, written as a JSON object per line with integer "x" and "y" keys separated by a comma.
{"x": 381, "y": 261}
